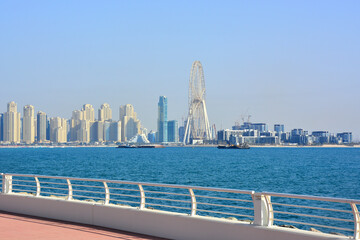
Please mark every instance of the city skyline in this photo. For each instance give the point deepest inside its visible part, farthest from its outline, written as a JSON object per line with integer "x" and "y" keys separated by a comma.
{"x": 293, "y": 63}
{"x": 83, "y": 127}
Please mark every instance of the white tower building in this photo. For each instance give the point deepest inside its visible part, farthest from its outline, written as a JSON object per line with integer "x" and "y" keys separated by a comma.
{"x": 11, "y": 121}
{"x": 58, "y": 130}
{"x": 28, "y": 124}
{"x": 130, "y": 125}
{"x": 105, "y": 113}
{"x": 88, "y": 111}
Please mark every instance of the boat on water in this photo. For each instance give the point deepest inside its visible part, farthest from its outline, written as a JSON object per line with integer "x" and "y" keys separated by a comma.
{"x": 238, "y": 146}
{"x": 141, "y": 146}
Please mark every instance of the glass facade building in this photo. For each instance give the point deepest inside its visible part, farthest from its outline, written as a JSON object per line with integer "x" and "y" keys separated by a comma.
{"x": 1, "y": 127}
{"x": 279, "y": 128}
{"x": 345, "y": 136}
{"x": 162, "y": 120}
{"x": 173, "y": 135}
{"x": 41, "y": 127}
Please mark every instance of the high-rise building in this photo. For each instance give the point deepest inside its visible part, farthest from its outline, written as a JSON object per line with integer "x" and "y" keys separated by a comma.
{"x": 41, "y": 127}
{"x": 173, "y": 131}
{"x": 152, "y": 136}
{"x": 115, "y": 131}
{"x": 107, "y": 131}
{"x": 97, "y": 131}
{"x": 261, "y": 127}
{"x": 68, "y": 130}
{"x": 77, "y": 117}
{"x": 127, "y": 110}
{"x": 321, "y": 137}
{"x": 84, "y": 131}
{"x": 162, "y": 120}
{"x": 105, "y": 113}
{"x": 346, "y": 137}
{"x": 1, "y": 128}
{"x": 213, "y": 131}
{"x": 88, "y": 112}
{"x": 81, "y": 122}
{"x": 48, "y": 129}
{"x": 29, "y": 124}
{"x": 279, "y": 128}
{"x": 181, "y": 133}
{"x": 299, "y": 136}
{"x": 11, "y": 124}
{"x": 58, "y": 130}
{"x": 130, "y": 125}
{"x": 35, "y": 127}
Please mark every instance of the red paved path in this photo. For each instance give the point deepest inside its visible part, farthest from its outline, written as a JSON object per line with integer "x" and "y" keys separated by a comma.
{"x": 22, "y": 227}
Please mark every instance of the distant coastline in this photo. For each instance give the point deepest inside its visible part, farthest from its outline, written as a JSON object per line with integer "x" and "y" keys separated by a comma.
{"x": 185, "y": 146}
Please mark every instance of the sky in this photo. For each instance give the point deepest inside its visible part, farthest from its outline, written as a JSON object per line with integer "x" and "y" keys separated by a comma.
{"x": 289, "y": 62}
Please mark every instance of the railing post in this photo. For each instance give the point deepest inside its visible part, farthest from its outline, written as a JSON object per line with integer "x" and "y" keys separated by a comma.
{"x": 6, "y": 183}
{"x": 356, "y": 221}
{"x": 38, "y": 189}
{"x": 193, "y": 202}
{"x": 70, "y": 190}
{"x": 263, "y": 212}
{"x": 270, "y": 210}
{"x": 107, "y": 193}
{"x": 142, "y": 197}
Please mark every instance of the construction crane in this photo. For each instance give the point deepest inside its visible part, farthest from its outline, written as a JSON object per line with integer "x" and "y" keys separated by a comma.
{"x": 248, "y": 118}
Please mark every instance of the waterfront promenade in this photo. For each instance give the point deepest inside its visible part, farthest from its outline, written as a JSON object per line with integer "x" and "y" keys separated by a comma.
{"x": 24, "y": 227}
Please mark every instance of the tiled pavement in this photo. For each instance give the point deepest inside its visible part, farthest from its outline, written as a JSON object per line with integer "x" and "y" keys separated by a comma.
{"x": 23, "y": 227}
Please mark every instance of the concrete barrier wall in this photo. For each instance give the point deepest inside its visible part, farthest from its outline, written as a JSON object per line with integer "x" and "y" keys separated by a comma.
{"x": 151, "y": 222}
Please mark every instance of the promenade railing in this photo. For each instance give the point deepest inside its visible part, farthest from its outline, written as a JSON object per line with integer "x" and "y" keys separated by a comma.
{"x": 265, "y": 209}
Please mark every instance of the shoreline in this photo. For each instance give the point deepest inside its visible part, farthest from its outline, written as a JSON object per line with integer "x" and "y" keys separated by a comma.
{"x": 185, "y": 146}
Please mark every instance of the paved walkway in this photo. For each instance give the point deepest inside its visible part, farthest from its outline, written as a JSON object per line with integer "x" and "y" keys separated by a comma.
{"x": 23, "y": 227}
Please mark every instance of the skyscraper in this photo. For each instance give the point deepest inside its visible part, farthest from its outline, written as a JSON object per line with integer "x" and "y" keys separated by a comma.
{"x": 29, "y": 124}
{"x": 152, "y": 136}
{"x": 130, "y": 125}
{"x": 115, "y": 131}
{"x": 58, "y": 130}
{"x": 11, "y": 121}
{"x": 162, "y": 120}
{"x": 88, "y": 112}
{"x": 77, "y": 117}
{"x": 41, "y": 126}
{"x": 84, "y": 131}
{"x": 181, "y": 133}
{"x": 81, "y": 122}
{"x": 173, "y": 131}
{"x": 1, "y": 128}
{"x": 97, "y": 131}
{"x": 105, "y": 113}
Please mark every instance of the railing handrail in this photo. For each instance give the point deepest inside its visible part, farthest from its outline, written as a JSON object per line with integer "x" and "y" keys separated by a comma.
{"x": 309, "y": 197}
{"x": 228, "y": 190}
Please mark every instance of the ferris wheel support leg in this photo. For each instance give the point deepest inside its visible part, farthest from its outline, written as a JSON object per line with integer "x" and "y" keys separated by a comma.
{"x": 187, "y": 132}
{"x": 207, "y": 126}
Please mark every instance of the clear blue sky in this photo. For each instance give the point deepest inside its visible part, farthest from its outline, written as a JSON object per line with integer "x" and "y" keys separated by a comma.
{"x": 290, "y": 62}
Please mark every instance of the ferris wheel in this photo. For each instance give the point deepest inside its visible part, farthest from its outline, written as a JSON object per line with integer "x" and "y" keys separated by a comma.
{"x": 197, "y": 124}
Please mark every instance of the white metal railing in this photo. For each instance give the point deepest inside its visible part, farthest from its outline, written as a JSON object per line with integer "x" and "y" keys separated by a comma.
{"x": 259, "y": 208}
{"x": 294, "y": 210}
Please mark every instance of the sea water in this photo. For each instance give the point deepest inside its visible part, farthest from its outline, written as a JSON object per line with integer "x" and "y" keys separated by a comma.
{"x": 327, "y": 172}
{"x": 331, "y": 172}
